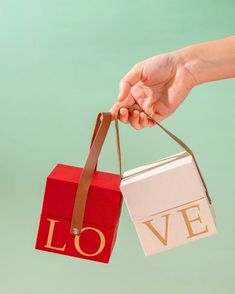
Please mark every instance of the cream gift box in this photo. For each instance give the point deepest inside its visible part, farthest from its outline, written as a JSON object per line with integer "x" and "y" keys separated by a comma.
{"x": 168, "y": 202}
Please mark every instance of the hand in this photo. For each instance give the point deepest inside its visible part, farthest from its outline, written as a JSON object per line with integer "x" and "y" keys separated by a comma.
{"x": 157, "y": 85}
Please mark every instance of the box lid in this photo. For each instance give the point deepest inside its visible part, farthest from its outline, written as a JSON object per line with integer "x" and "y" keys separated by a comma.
{"x": 72, "y": 174}
{"x": 160, "y": 186}
{"x": 103, "y": 201}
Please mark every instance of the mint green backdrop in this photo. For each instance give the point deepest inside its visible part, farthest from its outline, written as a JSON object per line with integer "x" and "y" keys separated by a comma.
{"x": 60, "y": 64}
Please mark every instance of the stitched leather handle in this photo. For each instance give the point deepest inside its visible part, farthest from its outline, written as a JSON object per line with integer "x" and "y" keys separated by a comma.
{"x": 101, "y": 129}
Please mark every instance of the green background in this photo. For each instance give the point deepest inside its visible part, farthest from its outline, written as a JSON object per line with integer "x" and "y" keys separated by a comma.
{"x": 60, "y": 65}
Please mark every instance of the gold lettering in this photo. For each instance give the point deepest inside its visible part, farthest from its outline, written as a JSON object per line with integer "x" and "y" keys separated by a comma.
{"x": 189, "y": 221}
{"x": 50, "y": 236}
{"x": 156, "y": 233}
{"x": 102, "y": 242}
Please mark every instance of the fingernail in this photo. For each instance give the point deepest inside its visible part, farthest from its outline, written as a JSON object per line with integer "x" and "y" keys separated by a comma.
{"x": 123, "y": 110}
{"x": 135, "y": 112}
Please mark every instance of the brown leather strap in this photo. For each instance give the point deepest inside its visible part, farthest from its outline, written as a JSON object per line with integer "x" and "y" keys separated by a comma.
{"x": 101, "y": 128}
{"x": 176, "y": 139}
{"x": 118, "y": 148}
{"x": 117, "y": 144}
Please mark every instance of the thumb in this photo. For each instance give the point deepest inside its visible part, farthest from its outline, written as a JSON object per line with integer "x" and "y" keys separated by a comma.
{"x": 129, "y": 80}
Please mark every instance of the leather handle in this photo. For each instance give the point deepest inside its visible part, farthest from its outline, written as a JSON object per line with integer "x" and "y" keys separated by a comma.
{"x": 172, "y": 136}
{"x": 187, "y": 149}
{"x": 101, "y": 128}
{"x": 117, "y": 144}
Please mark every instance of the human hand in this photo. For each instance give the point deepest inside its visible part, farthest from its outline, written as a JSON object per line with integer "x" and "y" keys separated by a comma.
{"x": 157, "y": 86}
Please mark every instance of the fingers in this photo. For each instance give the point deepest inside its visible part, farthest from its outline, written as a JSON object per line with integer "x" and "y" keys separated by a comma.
{"x": 114, "y": 110}
{"x": 128, "y": 111}
{"x": 126, "y": 103}
{"x": 129, "y": 80}
{"x": 135, "y": 118}
{"x": 124, "y": 115}
{"x": 143, "y": 120}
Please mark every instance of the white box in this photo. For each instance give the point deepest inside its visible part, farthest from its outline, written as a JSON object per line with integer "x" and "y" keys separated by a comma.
{"x": 168, "y": 203}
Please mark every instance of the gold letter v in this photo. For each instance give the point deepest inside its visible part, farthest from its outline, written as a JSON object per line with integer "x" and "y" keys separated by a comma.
{"x": 155, "y": 232}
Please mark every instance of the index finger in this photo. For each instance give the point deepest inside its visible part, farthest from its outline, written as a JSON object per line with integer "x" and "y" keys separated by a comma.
{"x": 129, "y": 80}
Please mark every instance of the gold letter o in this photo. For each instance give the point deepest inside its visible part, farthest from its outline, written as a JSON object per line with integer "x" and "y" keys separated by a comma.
{"x": 102, "y": 242}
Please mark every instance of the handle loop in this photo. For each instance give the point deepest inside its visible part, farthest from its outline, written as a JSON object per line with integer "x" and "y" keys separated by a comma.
{"x": 117, "y": 144}
{"x": 176, "y": 139}
{"x": 101, "y": 128}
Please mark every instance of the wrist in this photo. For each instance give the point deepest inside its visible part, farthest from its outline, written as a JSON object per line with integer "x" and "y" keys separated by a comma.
{"x": 191, "y": 63}
{"x": 185, "y": 64}
{"x": 210, "y": 61}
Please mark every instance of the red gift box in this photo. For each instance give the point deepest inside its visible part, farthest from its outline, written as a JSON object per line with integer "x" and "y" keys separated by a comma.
{"x": 82, "y": 206}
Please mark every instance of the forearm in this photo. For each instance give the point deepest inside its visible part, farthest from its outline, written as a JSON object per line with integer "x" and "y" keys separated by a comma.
{"x": 210, "y": 61}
